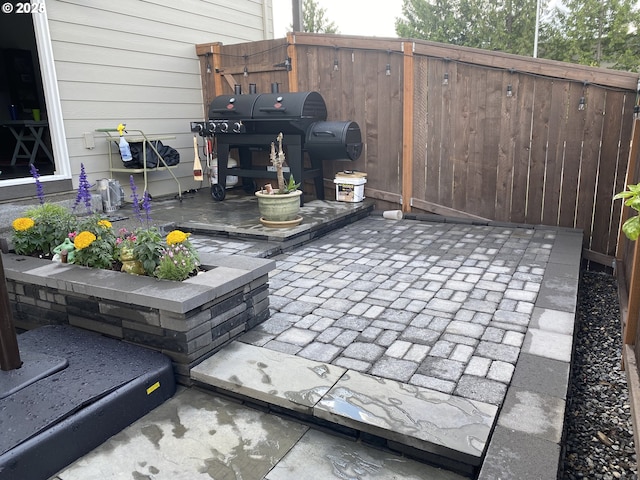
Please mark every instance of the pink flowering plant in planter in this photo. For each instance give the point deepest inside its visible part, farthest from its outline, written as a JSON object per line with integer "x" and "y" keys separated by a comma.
{"x": 179, "y": 259}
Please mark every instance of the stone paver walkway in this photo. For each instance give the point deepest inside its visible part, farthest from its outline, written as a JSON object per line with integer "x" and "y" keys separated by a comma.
{"x": 473, "y": 313}
{"x": 442, "y": 306}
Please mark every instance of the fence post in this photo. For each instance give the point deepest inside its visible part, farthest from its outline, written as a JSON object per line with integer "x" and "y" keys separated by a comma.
{"x": 633, "y": 305}
{"x": 216, "y": 62}
{"x": 293, "y": 68}
{"x": 633, "y": 309}
{"x": 407, "y": 125}
{"x": 634, "y": 148}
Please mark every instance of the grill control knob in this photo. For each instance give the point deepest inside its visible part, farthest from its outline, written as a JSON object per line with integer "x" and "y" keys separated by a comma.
{"x": 237, "y": 127}
{"x": 224, "y": 127}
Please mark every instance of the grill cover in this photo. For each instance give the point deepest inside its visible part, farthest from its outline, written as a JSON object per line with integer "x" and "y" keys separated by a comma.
{"x": 334, "y": 141}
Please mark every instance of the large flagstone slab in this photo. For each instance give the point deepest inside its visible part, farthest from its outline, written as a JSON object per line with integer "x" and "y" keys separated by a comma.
{"x": 277, "y": 378}
{"x": 427, "y": 420}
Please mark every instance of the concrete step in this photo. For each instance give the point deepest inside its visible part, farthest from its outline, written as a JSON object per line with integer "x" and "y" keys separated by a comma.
{"x": 431, "y": 426}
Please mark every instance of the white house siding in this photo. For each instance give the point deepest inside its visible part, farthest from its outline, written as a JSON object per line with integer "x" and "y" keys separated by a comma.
{"x": 134, "y": 61}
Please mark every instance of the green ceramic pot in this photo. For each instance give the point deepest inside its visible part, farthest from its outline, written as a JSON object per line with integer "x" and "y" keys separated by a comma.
{"x": 279, "y": 207}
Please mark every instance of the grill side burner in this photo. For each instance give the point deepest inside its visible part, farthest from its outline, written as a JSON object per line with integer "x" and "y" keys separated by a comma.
{"x": 251, "y": 122}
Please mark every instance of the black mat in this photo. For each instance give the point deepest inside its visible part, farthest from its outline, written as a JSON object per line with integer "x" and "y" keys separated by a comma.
{"x": 35, "y": 366}
{"x": 106, "y": 386}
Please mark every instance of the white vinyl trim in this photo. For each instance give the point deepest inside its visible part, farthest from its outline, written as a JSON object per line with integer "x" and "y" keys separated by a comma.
{"x": 52, "y": 99}
{"x": 51, "y": 93}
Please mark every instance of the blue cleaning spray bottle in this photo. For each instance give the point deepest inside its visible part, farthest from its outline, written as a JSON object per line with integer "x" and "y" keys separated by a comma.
{"x": 125, "y": 150}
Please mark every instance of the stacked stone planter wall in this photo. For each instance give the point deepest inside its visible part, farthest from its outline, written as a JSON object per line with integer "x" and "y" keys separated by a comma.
{"x": 188, "y": 321}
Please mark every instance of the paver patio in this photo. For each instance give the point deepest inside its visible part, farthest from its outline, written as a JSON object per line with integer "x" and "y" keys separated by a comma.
{"x": 406, "y": 323}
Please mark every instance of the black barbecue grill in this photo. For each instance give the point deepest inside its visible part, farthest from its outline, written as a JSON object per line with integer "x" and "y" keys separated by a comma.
{"x": 253, "y": 121}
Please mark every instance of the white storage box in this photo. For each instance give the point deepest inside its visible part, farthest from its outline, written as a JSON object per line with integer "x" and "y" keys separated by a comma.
{"x": 350, "y": 186}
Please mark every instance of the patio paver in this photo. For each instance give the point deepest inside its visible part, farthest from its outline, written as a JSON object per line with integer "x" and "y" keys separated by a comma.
{"x": 468, "y": 294}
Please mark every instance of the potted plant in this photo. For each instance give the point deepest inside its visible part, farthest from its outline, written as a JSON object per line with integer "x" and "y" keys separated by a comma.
{"x": 279, "y": 207}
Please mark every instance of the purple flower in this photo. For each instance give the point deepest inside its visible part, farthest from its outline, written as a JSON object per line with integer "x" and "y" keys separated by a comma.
{"x": 39, "y": 187}
{"x": 146, "y": 205}
{"x": 83, "y": 191}
{"x": 135, "y": 199}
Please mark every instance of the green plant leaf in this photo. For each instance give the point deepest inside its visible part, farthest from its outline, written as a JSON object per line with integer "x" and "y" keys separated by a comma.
{"x": 631, "y": 228}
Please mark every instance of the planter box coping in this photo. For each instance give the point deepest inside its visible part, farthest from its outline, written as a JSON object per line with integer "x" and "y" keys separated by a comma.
{"x": 225, "y": 274}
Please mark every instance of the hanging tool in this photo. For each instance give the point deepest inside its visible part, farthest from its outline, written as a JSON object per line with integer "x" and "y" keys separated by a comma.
{"x": 197, "y": 166}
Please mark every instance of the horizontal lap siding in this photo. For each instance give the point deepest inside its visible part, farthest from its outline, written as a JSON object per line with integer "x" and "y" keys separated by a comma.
{"x": 135, "y": 62}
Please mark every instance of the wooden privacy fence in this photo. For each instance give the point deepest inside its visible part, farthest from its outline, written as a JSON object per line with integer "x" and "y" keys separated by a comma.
{"x": 459, "y": 131}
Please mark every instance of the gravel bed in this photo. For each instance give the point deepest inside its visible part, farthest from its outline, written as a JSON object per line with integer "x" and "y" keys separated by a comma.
{"x": 599, "y": 435}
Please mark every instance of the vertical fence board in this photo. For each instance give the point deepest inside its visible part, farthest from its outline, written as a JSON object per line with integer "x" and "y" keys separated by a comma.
{"x": 542, "y": 130}
{"x": 478, "y": 111}
{"x": 590, "y": 162}
{"x": 523, "y": 149}
{"x": 440, "y": 169}
{"x": 464, "y": 122}
{"x": 555, "y": 152}
{"x": 506, "y": 147}
{"x": 491, "y": 144}
{"x": 422, "y": 148}
{"x": 609, "y": 152}
{"x": 573, "y": 141}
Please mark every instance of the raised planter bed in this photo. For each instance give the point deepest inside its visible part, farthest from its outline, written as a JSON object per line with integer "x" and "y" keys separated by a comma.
{"x": 188, "y": 321}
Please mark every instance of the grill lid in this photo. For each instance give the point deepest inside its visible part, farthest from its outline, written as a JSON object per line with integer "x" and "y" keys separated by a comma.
{"x": 290, "y": 106}
{"x": 236, "y": 107}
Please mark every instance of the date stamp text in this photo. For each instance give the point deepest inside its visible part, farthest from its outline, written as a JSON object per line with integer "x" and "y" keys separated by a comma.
{"x": 23, "y": 7}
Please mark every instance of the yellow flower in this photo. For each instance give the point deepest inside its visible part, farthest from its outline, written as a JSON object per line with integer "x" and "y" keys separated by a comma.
{"x": 23, "y": 223}
{"x": 105, "y": 223}
{"x": 83, "y": 240}
{"x": 177, "y": 236}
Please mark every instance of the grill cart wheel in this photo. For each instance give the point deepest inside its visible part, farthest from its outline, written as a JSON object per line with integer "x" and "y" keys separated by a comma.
{"x": 217, "y": 192}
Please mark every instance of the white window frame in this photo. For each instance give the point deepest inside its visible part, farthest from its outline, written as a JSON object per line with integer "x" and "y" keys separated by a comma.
{"x": 52, "y": 99}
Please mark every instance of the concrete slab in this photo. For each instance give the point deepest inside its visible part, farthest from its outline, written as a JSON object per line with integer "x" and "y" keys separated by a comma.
{"x": 513, "y": 454}
{"x": 290, "y": 382}
{"x": 535, "y": 414}
{"x": 195, "y": 435}
{"x": 321, "y": 456}
{"x": 428, "y": 420}
{"x": 548, "y": 344}
{"x": 553, "y": 320}
{"x": 542, "y": 375}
